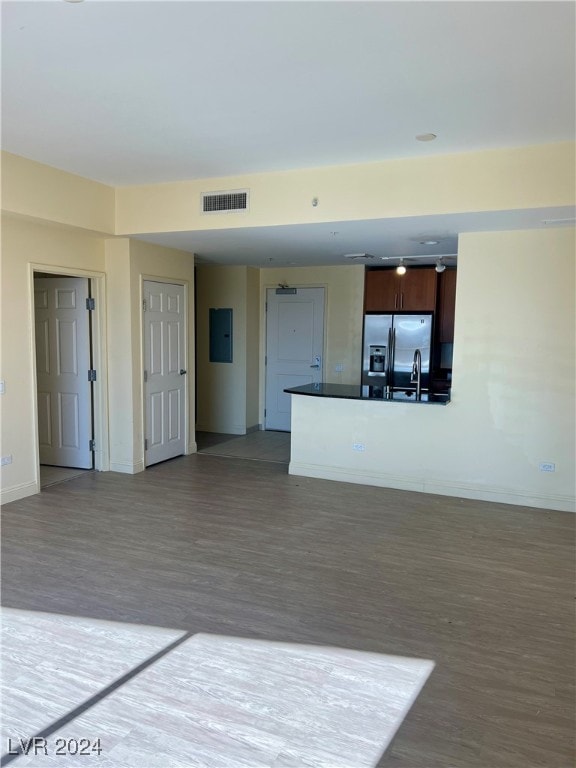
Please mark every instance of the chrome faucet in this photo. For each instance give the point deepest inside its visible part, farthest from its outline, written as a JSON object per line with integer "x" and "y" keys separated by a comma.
{"x": 416, "y": 375}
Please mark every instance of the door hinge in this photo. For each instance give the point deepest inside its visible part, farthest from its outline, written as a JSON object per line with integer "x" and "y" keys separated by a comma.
{"x": 92, "y": 445}
{"x": 146, "y": 444}
{"x": 90, "y": 303}
{"x": 264, "y": 411}
{"x": 265, "y": 359}
{"x": 266, "y": 307}
{"x": 92, "y": 375}
{"x": 145, "y": 375}
{"x": 143, "y": 305}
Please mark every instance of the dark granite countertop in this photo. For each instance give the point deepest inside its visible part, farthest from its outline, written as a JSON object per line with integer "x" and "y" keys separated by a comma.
{"x": 363, "y": 392}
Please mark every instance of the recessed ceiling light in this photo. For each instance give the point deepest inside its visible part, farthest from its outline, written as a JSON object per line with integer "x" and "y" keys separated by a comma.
{"x": 358, "y": 256}
{"x": 426, "y": 137}
{"x": 429, "y": 242}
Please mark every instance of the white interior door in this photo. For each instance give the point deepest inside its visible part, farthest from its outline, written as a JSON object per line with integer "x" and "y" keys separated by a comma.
{"x": 165, "y": 372}
{"x": 294, "y": 348}
{"x": 62, "y": 369}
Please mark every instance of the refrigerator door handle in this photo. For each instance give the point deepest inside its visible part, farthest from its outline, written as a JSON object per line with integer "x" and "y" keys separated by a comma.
{"x": 393, "y": 358}
{"x": 390, "y": 366}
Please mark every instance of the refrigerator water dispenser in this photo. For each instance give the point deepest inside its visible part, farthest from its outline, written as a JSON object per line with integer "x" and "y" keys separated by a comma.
{"x": 377, "y": 359}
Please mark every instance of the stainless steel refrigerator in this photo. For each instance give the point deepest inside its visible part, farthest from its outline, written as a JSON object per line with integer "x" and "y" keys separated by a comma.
{"x": 390, "y": 344}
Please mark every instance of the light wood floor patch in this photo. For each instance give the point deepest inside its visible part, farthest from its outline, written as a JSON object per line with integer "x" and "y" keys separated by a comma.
{"x": 220, "y": 701}
{"x": 53, "y": 663}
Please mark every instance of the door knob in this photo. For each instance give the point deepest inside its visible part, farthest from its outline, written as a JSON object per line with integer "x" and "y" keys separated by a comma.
{"x": 182, "y": 371}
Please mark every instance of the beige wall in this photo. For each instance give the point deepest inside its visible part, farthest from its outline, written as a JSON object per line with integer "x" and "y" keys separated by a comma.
{"x": 222, "y": 387}
{"x": 48, "y": 194}
{"x": 493, "y": 180}
{"x": 24, "y": 246}
{"x": 121, "y": 379}
{"x": 253, "y": 418}
{"x": 513, "y": 400}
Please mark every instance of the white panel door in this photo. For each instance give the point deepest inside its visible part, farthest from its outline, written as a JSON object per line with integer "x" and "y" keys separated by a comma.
{"x": 165, "y": 372}
{"x": 294, "y": 347}
{"x": 62, "y": 365}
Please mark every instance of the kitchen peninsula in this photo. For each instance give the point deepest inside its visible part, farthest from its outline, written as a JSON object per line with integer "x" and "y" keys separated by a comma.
{"x": 340, "y": 432}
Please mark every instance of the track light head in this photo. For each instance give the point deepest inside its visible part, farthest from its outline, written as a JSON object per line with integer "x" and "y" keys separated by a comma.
{"x": 440, "y": 266}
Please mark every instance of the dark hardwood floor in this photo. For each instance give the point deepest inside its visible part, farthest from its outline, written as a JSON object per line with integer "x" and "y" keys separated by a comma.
{"x": 238, "y": 547}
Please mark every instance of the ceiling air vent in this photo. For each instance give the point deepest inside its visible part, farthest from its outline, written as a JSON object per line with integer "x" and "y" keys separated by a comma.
{"x": 225, "y": 202}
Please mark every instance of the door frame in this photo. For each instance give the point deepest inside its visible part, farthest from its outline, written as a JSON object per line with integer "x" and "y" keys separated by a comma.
{"x": 264, "y": 334}
{"x": 99, "y": 357}
{"x": 188, "y": 448}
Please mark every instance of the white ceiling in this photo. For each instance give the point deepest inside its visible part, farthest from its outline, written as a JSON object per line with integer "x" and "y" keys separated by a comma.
{"x": 129, "y": 92}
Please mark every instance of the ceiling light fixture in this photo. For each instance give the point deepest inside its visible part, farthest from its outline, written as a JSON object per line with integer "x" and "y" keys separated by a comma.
{"x": 358, "y": 256}
{"x": 440, "y": 266}
{"x": 426, "y": 137}
{"x": 429, "y": 242}
{"x": 401, "y": 269}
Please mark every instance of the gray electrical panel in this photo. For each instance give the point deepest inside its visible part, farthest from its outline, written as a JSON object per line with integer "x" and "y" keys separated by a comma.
{"x": 220, "y": 335}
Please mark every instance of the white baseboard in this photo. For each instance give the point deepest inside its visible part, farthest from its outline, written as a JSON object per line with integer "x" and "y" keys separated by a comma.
{"x": 556, "y": 502}
{"x": 18, "y": 492}
{"x": 127, "y": 467}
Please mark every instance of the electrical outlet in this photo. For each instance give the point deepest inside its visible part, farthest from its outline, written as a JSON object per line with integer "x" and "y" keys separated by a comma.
{"x": 5, "y": 460}
{"x": 547, "y": 466}
{"x": 2, "y": 387}
{"x": 358, "y": 447}
{"x": 338, "y": 368}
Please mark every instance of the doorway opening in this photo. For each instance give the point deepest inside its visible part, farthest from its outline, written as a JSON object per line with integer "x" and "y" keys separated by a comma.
{"x": 70, "y": 437}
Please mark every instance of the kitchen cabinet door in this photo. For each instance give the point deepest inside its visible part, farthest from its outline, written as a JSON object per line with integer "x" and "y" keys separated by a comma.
{"x": 381, "y": 290}
{"x": 446, "y": 306}
{"x": 418, "y": 290}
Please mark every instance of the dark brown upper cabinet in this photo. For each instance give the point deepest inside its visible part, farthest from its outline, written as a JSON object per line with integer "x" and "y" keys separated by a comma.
{"x": 446, "y": 306}
{"x": 386, "y": 291}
